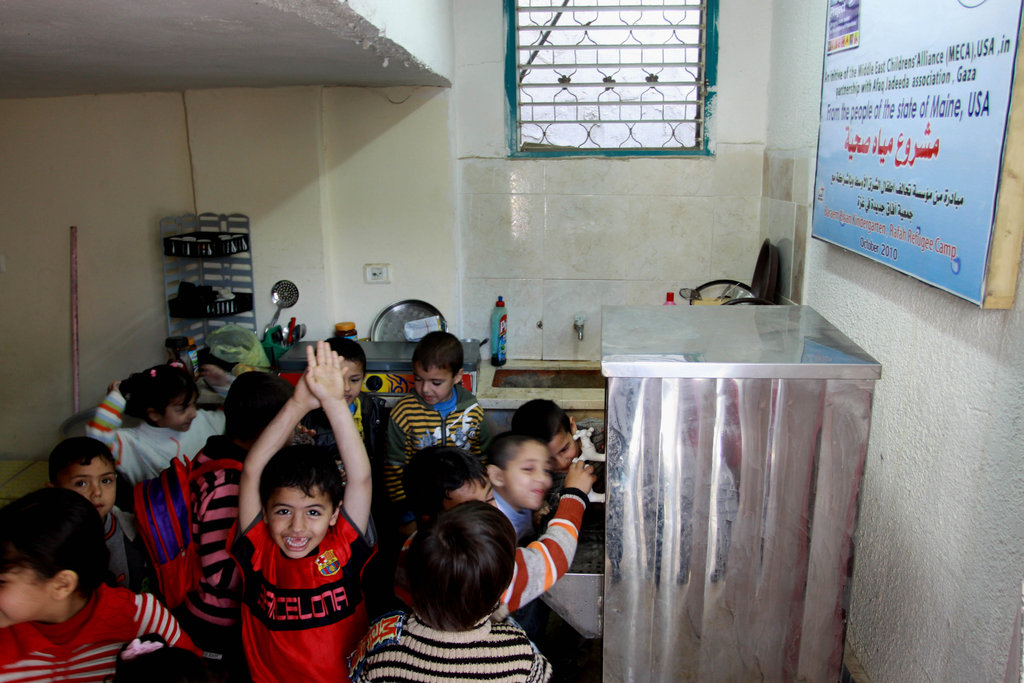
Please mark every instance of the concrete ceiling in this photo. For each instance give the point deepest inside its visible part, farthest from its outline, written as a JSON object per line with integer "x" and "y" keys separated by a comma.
{"x": 74, "y": 47}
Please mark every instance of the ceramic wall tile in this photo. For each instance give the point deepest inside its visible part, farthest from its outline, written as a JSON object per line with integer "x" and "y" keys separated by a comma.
{"x": 478, "y": 175}
{"x": 587, "y": 176}
{"x": 781, "y": 221}
{"x": 780, "y": 176}
{"x": 780, "y": 229}
{"x": 800, "y": 236}
{"x": 504, "y": 236}
{"x": 689, "y": 177}
{"x": 738, "y": 170}
{"x": 652, "y": 293}
{"x": 563, "y": 300}
{"x": 671, "y": 238}
{"x": 588, "y": 237}
{"x": 803, "y": 181}
{"x": 735, "y": 215}
{"x": 733, "y": 255}
{"x": 489, "y": 176}
{"x": 524, "y": 300}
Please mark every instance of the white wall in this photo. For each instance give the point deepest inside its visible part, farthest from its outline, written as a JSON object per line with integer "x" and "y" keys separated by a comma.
{"x": 330, "y": 178}
{"x": 258, "y": 152}
{"x": 113, "y": 166}
{"x": 423, "y": 27}
{"x": 558, "y": 237}
{"x": 388, "y": 185}
{"x": 940, "y": 546}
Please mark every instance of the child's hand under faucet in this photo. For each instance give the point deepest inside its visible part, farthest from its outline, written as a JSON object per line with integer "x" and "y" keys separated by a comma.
{"x": 588, "y": 452}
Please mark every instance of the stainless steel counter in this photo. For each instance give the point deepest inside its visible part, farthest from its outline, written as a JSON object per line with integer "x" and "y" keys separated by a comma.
{"x": 736, "y": 440}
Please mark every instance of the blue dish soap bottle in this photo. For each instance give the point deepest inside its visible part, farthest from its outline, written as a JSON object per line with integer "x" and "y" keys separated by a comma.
{"x": 499, "y": 333}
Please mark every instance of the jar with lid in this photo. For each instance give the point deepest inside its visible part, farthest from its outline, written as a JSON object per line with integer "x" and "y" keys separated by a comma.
{"x": 345, "y": 330}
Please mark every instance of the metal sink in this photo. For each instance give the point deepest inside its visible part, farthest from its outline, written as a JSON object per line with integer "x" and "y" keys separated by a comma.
{"x": 532, "y": 378}
{"x": 578, "y": 597}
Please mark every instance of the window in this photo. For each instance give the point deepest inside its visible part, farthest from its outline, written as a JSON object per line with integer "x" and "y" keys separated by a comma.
{"x": 609, "y": 77}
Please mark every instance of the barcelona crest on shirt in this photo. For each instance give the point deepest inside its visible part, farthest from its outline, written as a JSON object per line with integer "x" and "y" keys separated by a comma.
{"x": 327, "y": 563}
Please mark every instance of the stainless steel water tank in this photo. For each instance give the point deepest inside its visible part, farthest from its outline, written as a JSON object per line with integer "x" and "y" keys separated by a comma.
{"x": 736, "y": 440}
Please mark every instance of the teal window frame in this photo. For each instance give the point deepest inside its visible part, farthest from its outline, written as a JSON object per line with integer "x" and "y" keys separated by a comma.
{"x": 512, "y": 98}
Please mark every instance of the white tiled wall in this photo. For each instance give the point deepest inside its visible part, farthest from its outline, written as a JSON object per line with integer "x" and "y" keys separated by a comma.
{"x": 786, "y": 214}
{"x": 561, "y": 237}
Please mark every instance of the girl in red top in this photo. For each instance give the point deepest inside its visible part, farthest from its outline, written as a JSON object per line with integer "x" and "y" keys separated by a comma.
{"x": 57, "y": 620}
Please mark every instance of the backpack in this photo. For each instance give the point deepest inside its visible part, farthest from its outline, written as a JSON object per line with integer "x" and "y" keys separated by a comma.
{"x": 163, "y": 517}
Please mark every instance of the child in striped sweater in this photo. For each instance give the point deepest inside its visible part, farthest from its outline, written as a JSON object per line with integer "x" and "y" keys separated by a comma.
{"x": 440, "y": 413}
{"x": 442, "y": 477}
{"x": 58, "y": 621}
{"x": 464, "y": 560}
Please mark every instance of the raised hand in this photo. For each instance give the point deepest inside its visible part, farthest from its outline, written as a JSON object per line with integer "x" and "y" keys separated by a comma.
{"x": 324, "y": 376}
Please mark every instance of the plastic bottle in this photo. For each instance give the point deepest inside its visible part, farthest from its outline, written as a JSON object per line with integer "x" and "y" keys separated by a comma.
{"x": 670, "y": 299}
{"x": 183, "y": 350}
{"x": 499, "y": 332}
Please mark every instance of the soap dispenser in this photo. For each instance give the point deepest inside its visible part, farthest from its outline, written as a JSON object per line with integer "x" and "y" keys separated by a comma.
{"x": 499, "y": 332}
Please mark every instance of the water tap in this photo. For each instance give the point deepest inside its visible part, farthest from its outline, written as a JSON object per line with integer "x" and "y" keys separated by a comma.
{"x": 577, "y": 324}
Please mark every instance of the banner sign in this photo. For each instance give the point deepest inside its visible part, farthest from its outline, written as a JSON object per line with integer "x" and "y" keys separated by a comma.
{"x": 914, "y": 102}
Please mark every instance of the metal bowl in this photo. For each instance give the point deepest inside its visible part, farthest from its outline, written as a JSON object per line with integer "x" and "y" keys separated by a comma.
{"x": 389, "y": 325}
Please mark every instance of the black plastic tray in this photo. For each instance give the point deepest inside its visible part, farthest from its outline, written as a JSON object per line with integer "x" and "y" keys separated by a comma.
{"x": 206, "y": 244}
{"x": 240, "y": 304}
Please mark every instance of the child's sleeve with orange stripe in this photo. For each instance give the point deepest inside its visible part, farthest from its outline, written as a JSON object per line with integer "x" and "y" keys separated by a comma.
{"x": 106, "y": 421}
{"x": 540, "y": 564}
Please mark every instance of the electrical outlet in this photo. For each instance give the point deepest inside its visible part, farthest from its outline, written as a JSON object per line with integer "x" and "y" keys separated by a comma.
{"x": 377, "y": 273}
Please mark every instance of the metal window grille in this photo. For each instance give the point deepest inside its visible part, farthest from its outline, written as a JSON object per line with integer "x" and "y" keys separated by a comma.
{"x": 610, "y": 75}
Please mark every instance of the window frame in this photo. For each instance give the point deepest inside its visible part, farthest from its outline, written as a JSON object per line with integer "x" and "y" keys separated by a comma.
{"x": 512, "y": 99}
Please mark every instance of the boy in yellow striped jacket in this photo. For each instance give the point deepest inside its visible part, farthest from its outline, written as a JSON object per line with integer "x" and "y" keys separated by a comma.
{"x": 440, "y": 413}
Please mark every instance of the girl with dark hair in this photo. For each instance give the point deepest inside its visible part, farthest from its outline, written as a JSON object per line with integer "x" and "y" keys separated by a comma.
{"x": 164, "y": 398}
{"x": 57, "y": 619}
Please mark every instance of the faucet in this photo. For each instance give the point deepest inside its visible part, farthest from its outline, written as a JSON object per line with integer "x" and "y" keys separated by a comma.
{"x": 577, "y": 324}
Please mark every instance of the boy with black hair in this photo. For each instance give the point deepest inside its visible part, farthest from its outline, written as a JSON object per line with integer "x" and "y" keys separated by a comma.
{"x": 543, "y": 419}
{"x": 211, "y": 612}
{"x": 440, "y": 412}
{"x": 86, "y": 466}
{"x": 464, "y": 561}
{"x": 442, "y": 478}
{"x": 301, "y": 554}
{"x": 367, "y": 410}
{"x": 518, "y": 470}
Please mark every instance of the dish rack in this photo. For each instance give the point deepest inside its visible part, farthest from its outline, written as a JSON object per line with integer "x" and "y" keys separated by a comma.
{"x": 208, "y": 275}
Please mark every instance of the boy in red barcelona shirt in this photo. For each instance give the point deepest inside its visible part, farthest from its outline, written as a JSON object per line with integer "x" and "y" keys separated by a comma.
{"x": 302, "y": 553}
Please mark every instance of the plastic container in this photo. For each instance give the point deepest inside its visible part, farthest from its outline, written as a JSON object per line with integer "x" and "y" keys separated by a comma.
{"x": 499, "y": 333}
{"x": 670, "y": 299}
{"x": 184, "y": 351}
{"x": 345, "y": 331}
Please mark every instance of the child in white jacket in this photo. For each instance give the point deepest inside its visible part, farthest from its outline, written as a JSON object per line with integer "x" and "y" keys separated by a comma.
{"x": 164, "y": 398}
